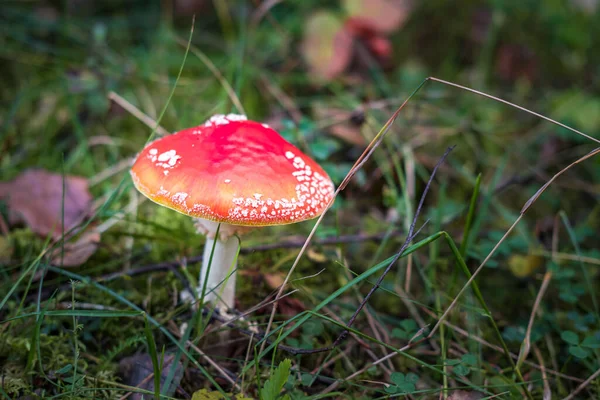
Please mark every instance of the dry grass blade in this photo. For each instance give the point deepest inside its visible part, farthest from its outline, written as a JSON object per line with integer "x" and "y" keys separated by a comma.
{"x": 217, "y": 74}
{"x": 525, "y": 208}
{"x": 547, "y": 392}
{"x": 526, "y": 346}
{"x": 583, "y": 385}
{"x": 136, "y": 112}
{"x": 366, "y": 154}
{"x": 477, "y": 92}
{"x": 537, "y": 194}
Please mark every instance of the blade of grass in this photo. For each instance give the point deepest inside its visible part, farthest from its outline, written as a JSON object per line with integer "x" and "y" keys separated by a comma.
{"x": 483, "y": 304}
{"x": 154, "y": 356}
{"x": 470, "y": 215}
{"x": 154, "y": 322}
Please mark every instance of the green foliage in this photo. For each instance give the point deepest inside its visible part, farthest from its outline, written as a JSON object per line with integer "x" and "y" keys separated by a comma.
{"x": 123, "y": 345}
{"x": 402, "y": 384}
{"x": 463, "y": 365}
{"x": 570, "y": 288}
{"x": 581, "y": 348}
{"x": 407, "y": 330}
{"x": 273, "y": 386}
{"x": 205, "y": 394}
{"x": 310, "y": 331}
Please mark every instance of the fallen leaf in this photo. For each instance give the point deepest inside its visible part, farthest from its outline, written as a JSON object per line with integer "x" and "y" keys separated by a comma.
{"x": 343, "y": 124}
{"x": 515, "y": 61}
{"x": 587, "y": 6}
{"x": 465, "y": 395}
{"x": 315, "y": 256}
{"x": 381, "y": 16}
{"x": 326, "y": 46}
{"x": 77, "y": 252}
{"x": 137, "y": 370}
{"x": 290, "y": 306}
{"x": 523, "y": 266}
{"x": 35, "y": 197}
{"x": 6, "y": 249}
{"x": 274, "y": 281}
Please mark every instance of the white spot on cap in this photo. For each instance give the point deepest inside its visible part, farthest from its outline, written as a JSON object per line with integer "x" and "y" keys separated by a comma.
{"x": 168, "y": 159}
{"x": 227, "y": 180}
{"x": 289, "y": 154}
{"x": 179, "y": 197}
{"x": 221, "y": 119}
{"x": 153, "y": 152}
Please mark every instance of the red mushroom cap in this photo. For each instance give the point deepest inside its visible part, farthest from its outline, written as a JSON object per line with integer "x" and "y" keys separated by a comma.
{"x": 234, "y": 171}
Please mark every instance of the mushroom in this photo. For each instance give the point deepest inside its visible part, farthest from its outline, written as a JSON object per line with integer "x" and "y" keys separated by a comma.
{"x": 231, "y": 174}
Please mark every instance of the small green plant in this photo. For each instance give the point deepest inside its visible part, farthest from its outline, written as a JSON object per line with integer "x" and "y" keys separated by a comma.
{"x": 407, "y": 330}
{"x": 581, "y": 349}
{"x": 310, "y": 330}
{"x": 204, "y": 394}
{"x": 462, "y": 366}
{"x": 402, "y": 384}
{"x": 273, "y": 386}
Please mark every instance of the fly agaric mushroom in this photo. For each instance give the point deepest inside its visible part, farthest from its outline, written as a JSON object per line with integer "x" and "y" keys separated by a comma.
{"x": 234, "y": 173}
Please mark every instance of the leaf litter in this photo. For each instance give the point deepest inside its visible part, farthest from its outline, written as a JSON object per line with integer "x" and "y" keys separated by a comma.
{"x": 35, "y": 198}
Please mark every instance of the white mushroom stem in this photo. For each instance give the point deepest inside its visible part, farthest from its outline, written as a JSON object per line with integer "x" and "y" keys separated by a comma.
{"x": 220, "y": 272}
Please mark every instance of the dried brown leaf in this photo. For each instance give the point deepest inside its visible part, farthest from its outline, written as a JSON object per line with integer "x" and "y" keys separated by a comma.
{"x": 77, "y": 252}
{"x": 516, "y": 61}
{"x": 137, "y": 371}
{"x": 342, "y": 124}
{"x": 315, "y": 256}
{"x": 290, "y": 306}
{"x": 36, "y": 198}
{"x": 274, "y": 281}
{"x": 465, "y": 395}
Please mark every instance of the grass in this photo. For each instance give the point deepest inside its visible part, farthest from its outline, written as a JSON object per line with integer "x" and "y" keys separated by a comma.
{"x": 497, "y": 293}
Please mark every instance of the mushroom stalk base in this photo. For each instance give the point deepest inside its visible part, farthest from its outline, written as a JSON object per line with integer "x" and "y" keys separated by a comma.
{"x": 220, "y": 286}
